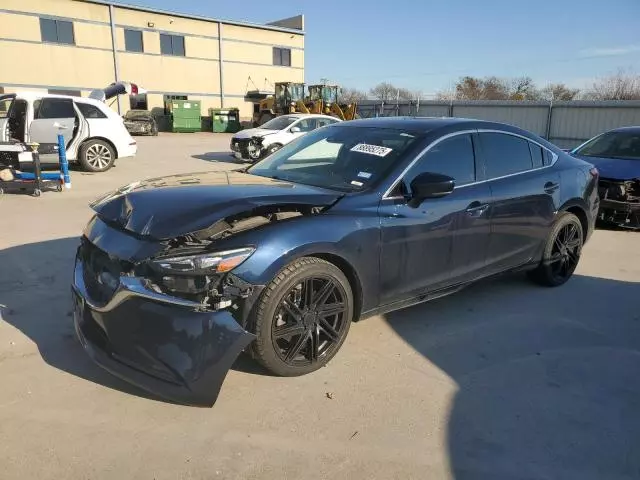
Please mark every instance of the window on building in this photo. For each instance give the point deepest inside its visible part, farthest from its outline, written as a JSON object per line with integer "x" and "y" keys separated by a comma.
{"x": 453, "y": 157}
{"x": 71, "y": 93}
{"x": 505, "y": 154}
{"x": 54, "y": 108}
{"x": 282, "y": 56}
{"x": 133, "y": 41}
{"x": 138, "y": 102}
{"x": 172, "y": 45}
{"x": 57, "y": 31}
{"x": 90, "y": 111}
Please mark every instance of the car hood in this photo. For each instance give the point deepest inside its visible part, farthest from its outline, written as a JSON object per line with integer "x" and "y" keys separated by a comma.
{"x": 167, "y": 207}
{"x": 253, "y": 132}
{"x": 614, "y": 168}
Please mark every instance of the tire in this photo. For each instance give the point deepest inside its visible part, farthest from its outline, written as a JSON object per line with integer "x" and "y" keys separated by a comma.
{"x": 273, "y": 347}
{"x": 561, "y": 252}
{"x": 97, "y": 156}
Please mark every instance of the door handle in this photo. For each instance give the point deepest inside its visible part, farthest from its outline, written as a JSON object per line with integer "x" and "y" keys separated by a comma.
{"x": 60, "y": 126}
{"x": 551, "y": 187}
{"x": 476, "y": 209}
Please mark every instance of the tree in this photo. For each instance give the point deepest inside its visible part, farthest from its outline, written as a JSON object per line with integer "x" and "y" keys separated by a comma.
{"x": 523, "y": 88}
{"x": 351, "y": 95}
{"x": 620, "y": 86}
{"x": 488, "y": 88}
{"x": 384, "y": 91}
{"x": 495, "y": 88}
{"x": 559, "y": 92}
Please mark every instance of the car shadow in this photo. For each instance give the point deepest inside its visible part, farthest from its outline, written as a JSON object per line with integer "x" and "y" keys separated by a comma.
{"x": 547, "y": 379}
{"x": 35, "y": 298}
{"x": 219, "y": 157}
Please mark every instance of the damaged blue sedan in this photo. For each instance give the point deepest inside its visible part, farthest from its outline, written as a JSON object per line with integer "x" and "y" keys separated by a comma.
{"x": 176, "y": 276}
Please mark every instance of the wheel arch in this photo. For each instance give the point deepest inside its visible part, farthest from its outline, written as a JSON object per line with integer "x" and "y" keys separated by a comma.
{"x": 350, "y": 272}
{"x": 577, "y": 207}
{"x": 264, "y": 270}
{"x": 104, "y": 139}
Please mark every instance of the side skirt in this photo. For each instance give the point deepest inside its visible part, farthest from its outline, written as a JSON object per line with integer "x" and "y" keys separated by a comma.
{"x": 442, "y": 292}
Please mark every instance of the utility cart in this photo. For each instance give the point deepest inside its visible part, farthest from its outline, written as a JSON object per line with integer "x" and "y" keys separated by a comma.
{"x": 14, "y": 157}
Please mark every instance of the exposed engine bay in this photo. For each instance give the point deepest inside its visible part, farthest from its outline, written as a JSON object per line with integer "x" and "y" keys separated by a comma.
{"x": 169, "y": 272}
{"x": 620, "y": 202}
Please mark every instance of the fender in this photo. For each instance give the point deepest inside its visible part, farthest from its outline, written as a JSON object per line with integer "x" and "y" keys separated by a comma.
{"x": 320, "y": 235}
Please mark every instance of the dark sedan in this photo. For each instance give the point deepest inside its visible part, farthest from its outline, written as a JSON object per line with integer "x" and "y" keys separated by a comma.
{"x": 176, "y": 276}
{"x": 616, "y": 154}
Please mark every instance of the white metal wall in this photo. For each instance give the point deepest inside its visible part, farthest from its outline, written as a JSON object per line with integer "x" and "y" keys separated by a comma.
{"x": 566, "y": 124}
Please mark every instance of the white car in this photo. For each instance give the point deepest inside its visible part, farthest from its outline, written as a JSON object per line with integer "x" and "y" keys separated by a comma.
{"x": 256, "y": 143}
{"x": 95, "y": 136}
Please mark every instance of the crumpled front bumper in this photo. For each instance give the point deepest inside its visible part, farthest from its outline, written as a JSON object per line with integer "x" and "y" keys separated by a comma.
{"x": 162, "y": 344}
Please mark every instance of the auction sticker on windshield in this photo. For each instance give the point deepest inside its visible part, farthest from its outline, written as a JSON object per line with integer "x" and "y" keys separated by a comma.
{"x": 376, "y": 150}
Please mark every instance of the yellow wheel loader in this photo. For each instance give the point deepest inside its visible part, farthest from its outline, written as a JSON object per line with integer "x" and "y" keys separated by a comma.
{"x": 288, "y": 98}
{"x": 324, "y": 99}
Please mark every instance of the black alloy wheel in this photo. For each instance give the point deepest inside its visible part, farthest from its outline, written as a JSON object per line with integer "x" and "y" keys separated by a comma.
{"x": 303, "y": 317}
{"x": 562, "y": 252}
{"x": 309, "y": 321}
{"x": 566, "y": 252}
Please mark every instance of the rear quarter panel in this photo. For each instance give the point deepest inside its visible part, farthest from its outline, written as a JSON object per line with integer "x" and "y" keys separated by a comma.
{"x": 111, "y": 128}
{"x": 577, "y": 187}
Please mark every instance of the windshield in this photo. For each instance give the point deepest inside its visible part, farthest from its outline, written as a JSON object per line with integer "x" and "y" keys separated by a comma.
{"x": 5, "y": 105}
{"x": 337, "y": 157}
{"x": 137, "y": 114}
{"x": 622, "y": 144}
{"x": 279, "y": 123}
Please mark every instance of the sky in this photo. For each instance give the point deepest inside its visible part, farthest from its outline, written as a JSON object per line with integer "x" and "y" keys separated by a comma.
{"x": 426, "y": 45}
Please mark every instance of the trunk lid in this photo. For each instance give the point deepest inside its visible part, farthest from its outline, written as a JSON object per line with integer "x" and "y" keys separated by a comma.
{"x": 115, "y": 89}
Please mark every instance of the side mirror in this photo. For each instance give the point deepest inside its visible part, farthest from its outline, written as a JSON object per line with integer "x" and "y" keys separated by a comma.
{"x": 430, "y": 185}
{"x": 295, "y": 129}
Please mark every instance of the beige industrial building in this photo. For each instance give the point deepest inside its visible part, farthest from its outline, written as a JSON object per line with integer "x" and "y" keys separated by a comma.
{"x": 75, "y": 46}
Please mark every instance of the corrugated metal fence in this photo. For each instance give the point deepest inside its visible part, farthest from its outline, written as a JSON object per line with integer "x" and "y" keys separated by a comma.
{"x": 567, "y": 124}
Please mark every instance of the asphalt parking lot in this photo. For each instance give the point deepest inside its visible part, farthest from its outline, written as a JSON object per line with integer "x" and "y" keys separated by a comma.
{"x": 505, "y": 380}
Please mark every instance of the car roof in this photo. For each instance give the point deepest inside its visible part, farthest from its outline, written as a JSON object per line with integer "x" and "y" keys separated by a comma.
{"x": 307, "y": 115}
{"x": 35, "y": 95}
{"x": 631, "y": 128}
{"x": 423, "y": 124}
{"x": 428, "y": 124}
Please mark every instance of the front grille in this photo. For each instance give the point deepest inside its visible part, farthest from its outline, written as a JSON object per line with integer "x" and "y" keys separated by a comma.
{"x": 101, "y": 272}
{"x": 242, "y": 146}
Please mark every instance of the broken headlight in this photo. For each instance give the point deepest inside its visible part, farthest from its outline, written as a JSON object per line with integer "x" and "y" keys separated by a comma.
{"x": 203, "y": 263}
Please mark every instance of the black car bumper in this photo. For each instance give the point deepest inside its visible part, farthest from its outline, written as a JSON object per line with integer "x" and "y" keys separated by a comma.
{"x": 162, "y": 344}
{"x": 625, "y": 214}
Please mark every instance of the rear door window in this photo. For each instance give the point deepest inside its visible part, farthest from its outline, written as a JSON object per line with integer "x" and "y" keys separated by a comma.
{"x": 90, "y": 111}
{"x": 54, "y": 108}
{"x": 505, "y": 154}
{"x": 536, "y": 155}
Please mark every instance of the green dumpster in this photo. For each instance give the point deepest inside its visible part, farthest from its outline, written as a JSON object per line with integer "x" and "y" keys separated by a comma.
{"x": 185, "y": 116}
{"x": 225, "y": 120}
